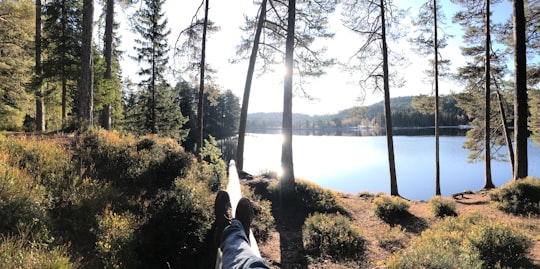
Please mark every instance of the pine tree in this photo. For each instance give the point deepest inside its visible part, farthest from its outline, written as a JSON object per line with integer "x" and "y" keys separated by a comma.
{"x": 311, "y": 22}
{"x": 62, "y": 49}
{"x": 479, "y": 74}
{"x": 16, "y": 38}
{"x": 373, "y": 20}
{"x": 86, "y": 87}
{"x": 428, "y": 42}
{"x": 158, "y": 103}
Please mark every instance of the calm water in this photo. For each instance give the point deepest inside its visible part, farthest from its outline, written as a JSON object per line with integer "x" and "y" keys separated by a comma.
{"x": 359, "y": 163}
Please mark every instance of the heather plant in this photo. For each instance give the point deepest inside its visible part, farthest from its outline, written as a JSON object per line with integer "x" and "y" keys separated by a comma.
{"x": 390, "y": 208}
{"x": 332, "y": 235}
{"x": 178, "y": 225}
{"x": 519, "y": 197}
{"x": 314, "y": 198}
{"x": 470, "y": 241}
{"x": 391, "y": 238}
{"x": 115, "y": 235}
{"x": 214, "y": 168}
{"x": 263, "y": 221}
{"x": 442, "y": 207}
{"x": 19, "y": 252}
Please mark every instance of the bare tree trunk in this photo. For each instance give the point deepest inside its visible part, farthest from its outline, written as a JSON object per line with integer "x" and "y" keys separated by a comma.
{"x": 487, "y": 116}
{"x": 506, "y": 133}
{"x": 64, "y": 102}
{"x": 200, "y": 109}
{"x": 40, "y": 106}
{"x": 437, "y": 160}
{"x": 520, "y": 100}
{"x": 387, "y": 109}
{"x": 287, "y": 177}
{"x": 87, "y": 76}
{"x": 109, "y": 25}
{"x": 247, "y": 89}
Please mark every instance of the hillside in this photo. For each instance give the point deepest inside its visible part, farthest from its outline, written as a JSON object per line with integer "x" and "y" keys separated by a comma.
{"x": 403, "y": 115}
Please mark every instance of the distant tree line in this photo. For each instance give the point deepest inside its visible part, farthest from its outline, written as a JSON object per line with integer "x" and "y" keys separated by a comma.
{"x": 407, "y": 111}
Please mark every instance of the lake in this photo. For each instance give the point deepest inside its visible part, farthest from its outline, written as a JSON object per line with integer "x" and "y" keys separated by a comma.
{"x": 360, "y": 163}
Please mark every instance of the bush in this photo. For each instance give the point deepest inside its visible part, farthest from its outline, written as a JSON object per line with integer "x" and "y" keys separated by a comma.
{"x": 332, "y": 235}
{"x": 470, "y": 241}
{"x": 518, "y": 197}
{"x": 442, "y": 207}
{"x": 263, "y": 221}
{"x": 314, "y": 198}
{"x": 178, "y": 227}
{"x": 390, "y": 208}
{"x": 498, "y": 246}
{"x": 115, "y": 234}
{"x": 391, "y": 238}
{"x": 18, "y": 252}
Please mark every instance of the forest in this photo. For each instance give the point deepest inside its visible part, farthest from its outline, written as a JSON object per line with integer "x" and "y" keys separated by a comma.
{"x": 99, "y": 170}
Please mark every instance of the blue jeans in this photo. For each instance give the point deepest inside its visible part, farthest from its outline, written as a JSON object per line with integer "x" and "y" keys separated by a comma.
{"x": 237, "y": 252}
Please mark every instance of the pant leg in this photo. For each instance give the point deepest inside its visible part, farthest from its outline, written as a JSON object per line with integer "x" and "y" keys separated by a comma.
{"x": 237, "y": 252}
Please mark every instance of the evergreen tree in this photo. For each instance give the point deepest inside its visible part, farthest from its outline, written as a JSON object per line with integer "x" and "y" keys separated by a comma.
{"x": 40, "y": 104}
{"x": 374, "y": 20}
{"x": 428, "y": 43}
{"x": 16, "y": 41}
{"x": 311, "y": 22}
{"x": 479, "y": 76}
{"x": 159, "y": 112}
{"x": 86, "y": 87}
{"x": 62, "y": 49}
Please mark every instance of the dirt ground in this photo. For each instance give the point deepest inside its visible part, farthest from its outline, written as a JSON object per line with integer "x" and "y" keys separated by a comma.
{"x": 374, "y": 229}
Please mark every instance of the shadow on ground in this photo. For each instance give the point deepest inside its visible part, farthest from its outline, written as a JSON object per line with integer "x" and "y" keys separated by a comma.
{"x": 289, "y": 224}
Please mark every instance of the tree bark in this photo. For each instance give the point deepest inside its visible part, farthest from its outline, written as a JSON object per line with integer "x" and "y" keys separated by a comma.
{"x": 87, "y": 74}
{"x": 387, "y": 109}
{"x": 109, "y": 26}
{"x": 520, "y": 100}
{"x": 287, "y": 177}
{"x": 200, "y": 109}
{"x": 247, "y": 89}
{"x": 505, "y": 129}
{"x": 437, "y": 160}
{"x": 487, "y": 91}
{"x": 40, "y": 106}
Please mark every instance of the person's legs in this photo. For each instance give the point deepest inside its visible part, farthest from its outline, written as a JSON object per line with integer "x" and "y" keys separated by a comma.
{"x": 234, "y": 243}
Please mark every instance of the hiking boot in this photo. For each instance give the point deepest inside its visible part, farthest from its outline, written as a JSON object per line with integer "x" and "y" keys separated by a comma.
{"x": 223, "y": 213}
{"x": 244, "y": 213}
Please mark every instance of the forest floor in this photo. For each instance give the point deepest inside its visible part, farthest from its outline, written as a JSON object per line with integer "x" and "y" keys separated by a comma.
{"x": 284, "y": 247}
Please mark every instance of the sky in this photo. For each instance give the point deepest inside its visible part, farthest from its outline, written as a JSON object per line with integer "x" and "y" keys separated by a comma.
{"x": 332, "y": 92}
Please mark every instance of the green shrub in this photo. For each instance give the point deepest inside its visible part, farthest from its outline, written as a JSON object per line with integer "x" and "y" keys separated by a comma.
{"x": 518, "y": 197}
{"x": 332, "y": 235}
{"x": 22, "y": 201}
{"x": 470, "y": 241}
{"x": 314, "y": 198}
{"x": 390, "y": 208}
{"x": 17, "y": 252}
{"x": 263, "y": 220}
{"x": 442, "y": 207}
{"x": 115, "y": 234}
{"x": 148, "y": 164}
{"x": 498, "y": 246}
{"x": 178, "y": 227}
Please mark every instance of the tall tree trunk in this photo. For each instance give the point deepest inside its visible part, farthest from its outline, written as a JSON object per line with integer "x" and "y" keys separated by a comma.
{"x": 520, "y": 100}
{"x": 109, "y": 26}
{"x": 153, "y": 110}
{"x": 487, "y": 91}
{"x": 437, "y": 161}
{"x": 40, "y": 106}
{"x": 87, "y": 75}
{"x": 64, "y": 102}
{"x": 247, "y": 89}
{"x": 505, "y": 128}
{"x": 200, "y": 110}
{"x": 387, "y": 109}
{"x": 287, "y": 177}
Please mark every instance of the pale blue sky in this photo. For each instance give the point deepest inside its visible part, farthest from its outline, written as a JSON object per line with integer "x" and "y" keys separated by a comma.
{"x": 334, "y": 90}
